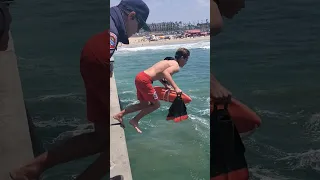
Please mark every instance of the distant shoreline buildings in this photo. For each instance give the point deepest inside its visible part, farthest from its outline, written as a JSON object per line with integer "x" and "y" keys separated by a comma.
{"x": 173, "y": 30}
{"x": 177, "y": 26}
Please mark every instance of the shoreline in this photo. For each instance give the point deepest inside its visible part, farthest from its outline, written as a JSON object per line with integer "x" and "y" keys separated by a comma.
{"x": 137, "y": 42}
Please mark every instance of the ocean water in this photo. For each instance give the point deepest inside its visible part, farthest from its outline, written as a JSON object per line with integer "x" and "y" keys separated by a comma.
{"x": 168, "y": 150}
{"x": 48, "y": 37}
{"x": 268, "y": 57}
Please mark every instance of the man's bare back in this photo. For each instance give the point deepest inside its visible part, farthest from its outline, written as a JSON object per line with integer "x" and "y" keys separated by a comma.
{"x": 156, "y": 71}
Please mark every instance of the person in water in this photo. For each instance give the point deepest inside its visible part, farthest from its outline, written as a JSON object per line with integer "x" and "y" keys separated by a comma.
{"x": 146, "y": 94}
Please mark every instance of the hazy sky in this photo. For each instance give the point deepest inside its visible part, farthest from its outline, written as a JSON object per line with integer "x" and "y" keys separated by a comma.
{"x": 176, "y": 10}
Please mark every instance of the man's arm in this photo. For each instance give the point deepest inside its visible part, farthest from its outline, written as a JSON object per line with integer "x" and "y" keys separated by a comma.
{"x": 165, "y": 83}
{"x": 216, "y": 20}
{"x": 219, "y": 93}
{"x": 167, "y": 75}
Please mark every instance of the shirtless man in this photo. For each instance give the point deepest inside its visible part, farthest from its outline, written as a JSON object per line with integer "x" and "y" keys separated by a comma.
{"x": 146, "y": 94}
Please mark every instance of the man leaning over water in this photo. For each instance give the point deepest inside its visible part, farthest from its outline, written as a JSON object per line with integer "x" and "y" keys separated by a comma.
{"x": 237, "y": 165}
{"x": 125, "y": 20}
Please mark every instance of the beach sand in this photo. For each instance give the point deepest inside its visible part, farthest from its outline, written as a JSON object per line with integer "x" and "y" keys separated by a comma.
{"x": 136, "y": 42}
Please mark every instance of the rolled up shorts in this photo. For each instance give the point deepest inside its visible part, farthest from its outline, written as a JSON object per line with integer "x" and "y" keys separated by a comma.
{"x": 145, "y": 90}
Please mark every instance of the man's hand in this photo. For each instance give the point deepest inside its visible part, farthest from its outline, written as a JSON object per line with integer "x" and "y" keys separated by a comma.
{"x": 178, "y": 90}
{"x": 218, "y": 93}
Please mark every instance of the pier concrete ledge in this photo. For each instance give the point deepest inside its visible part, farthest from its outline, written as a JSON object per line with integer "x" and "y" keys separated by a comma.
{"x": 15, "y": 141}
{"x": 120, "y": 164}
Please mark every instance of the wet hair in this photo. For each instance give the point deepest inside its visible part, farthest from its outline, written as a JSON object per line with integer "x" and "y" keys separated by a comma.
{"x": 182, "y": 52}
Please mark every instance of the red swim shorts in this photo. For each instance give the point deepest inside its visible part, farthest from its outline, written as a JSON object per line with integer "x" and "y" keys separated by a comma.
{"x": 95, "y": 68}
{"x": 145, "y": 90}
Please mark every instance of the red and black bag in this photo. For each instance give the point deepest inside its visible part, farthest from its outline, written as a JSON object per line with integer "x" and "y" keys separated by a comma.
{"x": 227, "y": 159}
{"x": 177, "y": 110}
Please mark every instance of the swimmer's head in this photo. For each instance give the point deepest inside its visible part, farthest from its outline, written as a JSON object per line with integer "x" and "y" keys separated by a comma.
{"x": 182, "y": 56}
{"x": 229, "y": 8}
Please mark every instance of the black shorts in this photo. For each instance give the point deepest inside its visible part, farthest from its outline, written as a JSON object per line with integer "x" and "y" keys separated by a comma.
{"x": 226, "y": 148}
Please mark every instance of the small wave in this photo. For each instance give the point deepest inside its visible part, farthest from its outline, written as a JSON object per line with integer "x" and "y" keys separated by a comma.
{"x": 264, "y": 150}
{"x": 127, "y": 100}
{"x": 127, "y": 92}
{"x": 202, "y": 112}
{"x": 56, "y": 122}
{"x": 203, "y": 121}
{"x": 313, "y": 124}
{"x": 272, "y": 114}
{"x": 309, "y": 159}
{"x": 68, "y": 96}
{"x": 266, "y": 174}
{"x": 80, "y": 129}
{"x": 198, "y": 45}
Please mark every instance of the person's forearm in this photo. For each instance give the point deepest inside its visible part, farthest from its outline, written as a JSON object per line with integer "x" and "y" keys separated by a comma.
{"x": 168, "y": 77}
{"x": 216, "y": 21}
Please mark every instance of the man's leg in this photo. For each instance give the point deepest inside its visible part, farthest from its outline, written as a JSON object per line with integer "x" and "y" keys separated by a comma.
{"x": 135, "y": 121}
{"x": 131, "y": 109}
{"x": 100, "y": 167}
{"x": 77, "y": 147}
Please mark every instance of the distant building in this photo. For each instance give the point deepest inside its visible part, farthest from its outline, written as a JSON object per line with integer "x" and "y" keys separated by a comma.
{"x": 204, "y": 26}
{"x": 177, "y": 26}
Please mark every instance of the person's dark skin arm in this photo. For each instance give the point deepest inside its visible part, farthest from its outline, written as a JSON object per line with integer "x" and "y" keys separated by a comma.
{"x": 219, "y": 94}
{"x": 216, "y": 21}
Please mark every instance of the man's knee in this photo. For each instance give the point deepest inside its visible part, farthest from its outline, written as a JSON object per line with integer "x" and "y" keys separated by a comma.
{"x": 144, "y": 104}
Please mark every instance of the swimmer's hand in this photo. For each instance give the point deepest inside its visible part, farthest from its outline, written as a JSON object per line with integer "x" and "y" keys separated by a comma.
{"x": 178, "y": 90}
{"x": 218, "y": 93}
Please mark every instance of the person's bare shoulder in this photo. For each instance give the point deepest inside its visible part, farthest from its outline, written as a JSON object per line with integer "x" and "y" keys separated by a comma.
{"x": 173, "y": 67}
